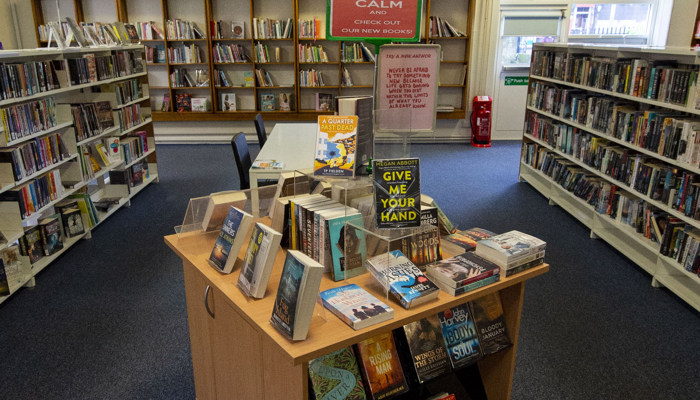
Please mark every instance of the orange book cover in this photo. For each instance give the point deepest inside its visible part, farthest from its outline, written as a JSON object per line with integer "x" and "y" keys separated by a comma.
{"x": 381, "y": 367}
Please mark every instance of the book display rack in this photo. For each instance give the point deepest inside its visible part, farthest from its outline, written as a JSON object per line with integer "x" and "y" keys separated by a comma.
{"x": 257, "y": 55}
{"x": 217, "y": 310}
{"x": 611, "y": 136}
{"x": 76, "y": 131}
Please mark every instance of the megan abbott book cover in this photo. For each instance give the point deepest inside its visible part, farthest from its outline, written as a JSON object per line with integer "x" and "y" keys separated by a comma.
{"x": 397, "y": 192}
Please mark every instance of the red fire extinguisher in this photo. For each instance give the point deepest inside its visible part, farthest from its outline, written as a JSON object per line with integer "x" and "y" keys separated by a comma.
{"x": 481, "y": 121}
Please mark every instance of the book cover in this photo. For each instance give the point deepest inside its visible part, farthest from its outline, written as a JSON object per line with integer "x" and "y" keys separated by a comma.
{"x": 347, "y": 245}
{"x": 362, "y": 107}
{"x": 104, "y": 114}
{"x": 249, "y": 78}
{"x": 296, "y": 295}
{"x": 460, "y": 335}
{"x": 238, "y": 29}
{"x": 259, "y": 258}
{"x": 467, "y": 238}
{"x": 335, "y": 146}
{"x": 267, "y": 102}
{"x": 510, "y": 248}
{"x": 381, "y": 367}
{"x": 462, "y": 269}
{"x": 336, "y": 376}
{"x": 228, "y": 243}
{"x": 490, "y": 323}
{"x": 165, "y": 105}
{"x": 51, "y": 234}
{"x": 324, "y": 101}
{"x": 427, "y": 348}
{"x": 285, "y": 101}
{"x": 355, "y": 306}
{"x": 228, "y": 102}
{"x": 72, "y": 222}
{"x": 422, "y": 248}
{"x": 183, "y": 102}
{"x": 200, "y": 104}
{"x": 403, "y": 279}
{"x": 131, "y": 33}
{"x": 397, "y": 192}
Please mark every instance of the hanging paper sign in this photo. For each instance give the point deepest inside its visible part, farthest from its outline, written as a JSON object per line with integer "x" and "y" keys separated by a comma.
{"x": 391, "y": 20}
{"x": 407, "y": 85}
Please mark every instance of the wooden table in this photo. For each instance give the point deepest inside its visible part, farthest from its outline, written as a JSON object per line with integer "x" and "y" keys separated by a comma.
{"x": 236, "y": 353}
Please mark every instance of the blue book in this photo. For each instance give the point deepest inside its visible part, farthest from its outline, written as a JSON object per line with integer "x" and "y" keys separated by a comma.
{"x": 230, "y": 240}
{"x": 460, "y": 335}
{"x": 403, "y": 279}
{"x": 347, "y": 246}
{"x": 355, "y": 306}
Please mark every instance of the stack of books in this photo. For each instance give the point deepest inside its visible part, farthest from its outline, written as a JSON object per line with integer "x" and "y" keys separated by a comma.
{"x": 463, "y": 273}
{"x": 512, "y": 251}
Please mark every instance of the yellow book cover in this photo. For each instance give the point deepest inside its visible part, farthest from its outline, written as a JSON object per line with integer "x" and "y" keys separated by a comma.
{"x": 336, "y": 144}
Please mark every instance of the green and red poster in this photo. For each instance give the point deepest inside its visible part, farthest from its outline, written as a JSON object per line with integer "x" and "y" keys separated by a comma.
{"x": 390, "y": 20}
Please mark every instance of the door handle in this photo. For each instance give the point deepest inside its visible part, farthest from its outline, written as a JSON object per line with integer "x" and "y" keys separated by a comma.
{"x": 206, "y": 302}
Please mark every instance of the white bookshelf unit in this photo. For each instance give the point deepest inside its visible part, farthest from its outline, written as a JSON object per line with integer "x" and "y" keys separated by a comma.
{"x": 74, "y": 179}
{"x": 612, "y": 136}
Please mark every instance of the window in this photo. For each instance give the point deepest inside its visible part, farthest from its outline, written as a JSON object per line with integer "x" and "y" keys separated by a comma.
{"x": 611, "y": 22}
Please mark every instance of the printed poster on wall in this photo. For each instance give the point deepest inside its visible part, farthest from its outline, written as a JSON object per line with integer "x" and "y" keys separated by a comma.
{"x": 407, "y": 85}
{"x": 391, "y": 20}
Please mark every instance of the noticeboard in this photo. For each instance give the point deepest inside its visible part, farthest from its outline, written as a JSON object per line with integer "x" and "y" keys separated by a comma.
{"x": 374, "y": 20}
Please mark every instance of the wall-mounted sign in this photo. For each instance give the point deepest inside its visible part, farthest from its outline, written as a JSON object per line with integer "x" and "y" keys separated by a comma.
{"x": 407, "y": 85}
{"x": 516, "y": 81}
{"x": 391, "y": 20}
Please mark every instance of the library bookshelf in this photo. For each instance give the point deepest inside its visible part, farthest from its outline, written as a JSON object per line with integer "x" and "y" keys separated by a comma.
{"x": 54, "y": 106}
{"x": 285, "y": 70}
{"x": 610, "y": 137}
{"x": 218, "y": 311}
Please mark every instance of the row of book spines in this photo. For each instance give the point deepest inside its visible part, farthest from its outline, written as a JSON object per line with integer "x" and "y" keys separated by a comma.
{"x": 266, "y": 28}
{"x": 216, "y": 30}
{"x": 28, "y": 118}
{"x": 179, "y": 29}
{"x": 311, "y": 77}
{"x": 681, "y": 243}
{"x": 310, "y": 29}
{"x": 129, "y": 116}
{"x": 229, "y": 53}
{"x": 148, "y": 30}
{"x": 655, "y": 130}
{"x": 310, "y": 53}
{"x": 680, "y": 142}
{"x": 185, "y": 54}
{"x": 353, "y": 52}
{"x": 33, "y": 243}
{"x": 441, "y": 27}
{"x": 36, "y": 194}
{"x": 262, "y": 53}
{"x": 129, "y": 91}
{"x": 154, "y": 55}
{"x": 655, "y": 80}
{"x": 85, "y": 120}
{"x": 134, "y": 147}
{"x": 263, "y": 77}
{"x": 34, "y": 156}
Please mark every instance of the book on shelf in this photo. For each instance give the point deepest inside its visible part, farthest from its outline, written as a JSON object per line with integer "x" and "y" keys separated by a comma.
{"x": 267, "y": 102}
{"x": 422, "y": 247}
{"x": 397, "y": 192}
{"x": 200, "y": 104}
{"x": 258, "y": 260}
{"x": 228, "y": 102}
{"x": 336, "y": 139}
{"x": 230, "y": 240}
{"x": 72, "y": 221}
{"x": 381, "y": 367}
{"x": 183, "y": 102}
{"x": 285, "y": 101}
{"x": 361, "y": 106}
{"x": 487, "y": 312}
{"x": 344, "y": 245}
{"x": 131, "y": 33}
{"x": 238, "y": 29}
{"x": 427, "y": 348}
{"x": 30, "y": 244}
{"x": 218, "y": 207}
{"x": 336, "y": 376}
{"x": 403, "y": 279}
{"x": 324, "y": 101}
{"x": 296, "y": 295}
{"x": 249, "y": 79}
{"x": 465, "y": 240}
{"x": 461, "y": 270}
{"x": 51, "y": 234}
{"x": 459, "y": 333}
{"x": 511, "y": 249}
{"x": 355, "y": 306}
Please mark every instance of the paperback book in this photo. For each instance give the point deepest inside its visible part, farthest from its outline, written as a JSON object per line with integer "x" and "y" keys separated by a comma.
{"x": 230, "y": 240}
{"x": 427, "y": 348}
{"x": 468, "y": 287}
{"x": 424, "y": 247}
{"x": 362, "y": 107}
{"x": 460, "y": 336}
{"x": 403, "y": 279}
{"x": 336, "y": 140}
{"x": 490, "y": 323}
{"x": 467, "y": 238}
{"x": 397, "y": 192}
{"x": 347, "y": 244}
{"x": 228, "y": 102}
{"x": 381, "y": 367}
{"x": 355, "y": 306}
{"x": 72, "y": 222}
{"x": 510, "y": 249}
{"x": 462, "y": 270}
{"x": 51, "y": 234}
{"x": 267, "y": 102}
{"x": 324, "y": 101}
{"x": 296, "y": 295}
{"x": 259, "y": 258}
{"x": 336, "y": 376}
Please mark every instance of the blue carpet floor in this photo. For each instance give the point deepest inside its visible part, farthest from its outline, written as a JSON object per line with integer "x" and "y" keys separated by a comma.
{"x": 108, "y": 319}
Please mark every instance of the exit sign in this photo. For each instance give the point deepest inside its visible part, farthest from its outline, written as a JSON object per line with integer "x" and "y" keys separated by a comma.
{"x": 516, "y": 81}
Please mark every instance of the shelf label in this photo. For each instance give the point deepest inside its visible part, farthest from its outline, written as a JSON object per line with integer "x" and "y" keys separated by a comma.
{"x": 407, "y": 84}
{"x": 516, "y": 81}
{"x": 397, "y": 20}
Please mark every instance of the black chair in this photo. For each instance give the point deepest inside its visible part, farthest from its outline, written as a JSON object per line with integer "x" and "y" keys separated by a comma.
{"x": 242, "y": 156}
{"x": 260, "y": 129}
